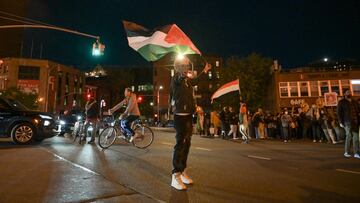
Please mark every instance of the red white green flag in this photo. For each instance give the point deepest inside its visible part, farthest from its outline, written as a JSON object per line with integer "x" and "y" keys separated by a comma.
{"x": 154, "y": 44}
{"x": 228, "y": 87}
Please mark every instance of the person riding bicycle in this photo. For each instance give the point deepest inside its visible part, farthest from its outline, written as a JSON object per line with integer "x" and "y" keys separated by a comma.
{"x": 131, "y": 113}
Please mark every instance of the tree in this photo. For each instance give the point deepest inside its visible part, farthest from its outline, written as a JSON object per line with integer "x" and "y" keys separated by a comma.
{"x": 254, "y": 74}
{"x": 28, "y": 99}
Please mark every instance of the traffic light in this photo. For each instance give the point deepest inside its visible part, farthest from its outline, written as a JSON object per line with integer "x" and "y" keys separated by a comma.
{"x": 98, "y": 48}
{"x": 140, "y": 99}
{"x": 88, "y": 96}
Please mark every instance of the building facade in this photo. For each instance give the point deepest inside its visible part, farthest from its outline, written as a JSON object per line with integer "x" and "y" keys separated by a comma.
{"x": 57, "y": 86}
{"x": 295, "y": 87}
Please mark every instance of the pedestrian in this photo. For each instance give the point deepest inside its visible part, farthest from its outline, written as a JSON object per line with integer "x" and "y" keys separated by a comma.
{"x": 258, "y": 121}
{"x": 92, "y": 113}
{"x": 244, "y": 122}
{"x": 200, "y": 120}
{"x": 233, "y": 120}
{"x": 215, "y": 122}
{"x": 224, "y": 122}
{"x": 348, "y": 116}
{"x": 285, "y": 124}
{"x": 183, "y": 106}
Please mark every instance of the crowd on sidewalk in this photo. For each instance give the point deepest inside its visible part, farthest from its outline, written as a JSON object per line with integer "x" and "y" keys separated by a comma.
{"x": 318, "y": 123}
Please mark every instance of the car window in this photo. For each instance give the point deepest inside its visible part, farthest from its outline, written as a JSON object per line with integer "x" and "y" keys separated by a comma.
{"x": 17, "y": 105}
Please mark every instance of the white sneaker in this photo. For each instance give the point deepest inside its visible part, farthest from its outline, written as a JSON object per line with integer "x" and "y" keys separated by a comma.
{"x": 176, "y": 182}
{"x": 347, "y": 155}
{"x": 357, "y": 156}
{"x": 186, "y": 179}
{"x": 314, "y": 140}
{"x": 216, "y": 135}
{"x": 285, "y": 140}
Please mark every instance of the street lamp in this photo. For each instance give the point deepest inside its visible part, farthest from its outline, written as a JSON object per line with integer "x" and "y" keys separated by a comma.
{"x": 158, "y": 101}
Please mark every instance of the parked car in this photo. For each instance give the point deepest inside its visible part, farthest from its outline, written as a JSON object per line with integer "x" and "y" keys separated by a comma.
{"x": 24, "y": 125}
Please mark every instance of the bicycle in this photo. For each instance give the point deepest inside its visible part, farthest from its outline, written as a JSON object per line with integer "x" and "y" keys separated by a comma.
{"x": 143, "y": 136}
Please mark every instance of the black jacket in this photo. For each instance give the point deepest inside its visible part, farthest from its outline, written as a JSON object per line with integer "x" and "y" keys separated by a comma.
{"x": 348, "y": 113}
{"x": 181, "y": 94}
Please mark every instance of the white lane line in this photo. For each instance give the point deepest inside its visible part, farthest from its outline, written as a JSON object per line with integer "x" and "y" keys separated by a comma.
{"x": 72, "y": 163}
{"x": 259, "y": 157}
{"x": 167, "y": 143}
{"x": 347, "y": 171}
{"x": 200, "y": 148}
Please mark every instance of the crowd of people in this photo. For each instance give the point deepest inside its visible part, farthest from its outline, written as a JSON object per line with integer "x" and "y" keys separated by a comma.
{"x": 316, "y": 122}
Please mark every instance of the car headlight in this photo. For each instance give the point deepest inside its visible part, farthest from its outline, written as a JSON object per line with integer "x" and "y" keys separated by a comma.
{"x": 62, "y": 122}
{"x": 47, "y": 123}
{"x": 45, "y": 116}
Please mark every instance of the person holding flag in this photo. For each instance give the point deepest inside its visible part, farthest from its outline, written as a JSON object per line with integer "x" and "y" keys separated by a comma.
{"x": 183, "y": 106}
{"x": 153, "y": 45}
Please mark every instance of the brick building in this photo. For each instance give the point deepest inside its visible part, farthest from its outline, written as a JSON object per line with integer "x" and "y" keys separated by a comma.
{"x": 57, "y": 85}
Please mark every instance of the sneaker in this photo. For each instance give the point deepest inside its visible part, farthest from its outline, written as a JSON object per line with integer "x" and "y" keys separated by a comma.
{"x": 320, "y": 141}
{"x": 176, "y": 182}
{"x": 235, "y": 138}
{"x": 347, "y": 155}
{"x": 216, "y": 135}
{"x": 91, "y": 142}
{"x": 131, "y": 139}
{"x": 314, "y": 140}
{"x": 357, "y": 156}
{"x": 185, "y": 178}
{"x": 285, "y": 140}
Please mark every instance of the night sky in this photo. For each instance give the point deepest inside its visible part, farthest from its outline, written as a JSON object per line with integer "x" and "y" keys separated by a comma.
{"x": 294, "y": 32}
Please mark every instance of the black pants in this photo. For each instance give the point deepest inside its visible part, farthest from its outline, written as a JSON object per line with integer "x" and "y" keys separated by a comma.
{"x": 183, "y": 127}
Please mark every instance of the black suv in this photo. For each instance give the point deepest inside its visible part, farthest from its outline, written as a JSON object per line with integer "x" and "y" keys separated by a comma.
{"x": 24, "y": 125}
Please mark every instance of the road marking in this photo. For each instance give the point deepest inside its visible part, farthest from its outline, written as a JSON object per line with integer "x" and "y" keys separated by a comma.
{"x": 347, "y": 171}
{"x": 72, "y": 163}
{"x": 167, "y": 143}
{"x": 259, "y": 157}
{"x": 200, "y": 148}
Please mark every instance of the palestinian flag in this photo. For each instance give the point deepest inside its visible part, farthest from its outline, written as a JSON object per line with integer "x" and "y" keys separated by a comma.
{"x": 154, "y": 44}
{"x": 228, "y": 87}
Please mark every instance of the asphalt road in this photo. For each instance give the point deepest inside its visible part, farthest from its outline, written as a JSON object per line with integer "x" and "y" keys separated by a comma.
{"x": 224, "y": 171}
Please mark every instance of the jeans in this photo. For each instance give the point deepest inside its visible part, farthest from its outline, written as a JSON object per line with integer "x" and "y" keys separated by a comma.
{"x": 126, "y": 124}
{"x": 95, "y": 123}
{"x": 183, "y": 127}
{"x": 285, "y": 133}
{"x": 354, "y": 136}
{"x": 257, "y": 136}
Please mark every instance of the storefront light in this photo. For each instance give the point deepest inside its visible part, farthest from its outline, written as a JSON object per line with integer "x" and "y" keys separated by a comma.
{"x": 355, "y": 82}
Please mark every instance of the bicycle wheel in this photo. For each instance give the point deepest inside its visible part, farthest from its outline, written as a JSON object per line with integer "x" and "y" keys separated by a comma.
{"x": 144, "y": 136}
{"x": 107, "y": 137}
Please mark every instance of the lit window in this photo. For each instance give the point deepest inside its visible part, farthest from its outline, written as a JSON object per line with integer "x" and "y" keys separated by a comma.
{"x": 335, "y": 86}
{"x": 217, "y": 63}
{"x": 283, "y": 88}
{"x": 314, "y": 88}
{"x": 294, "y": 92}
{"x": 304, "y": 89}
{"x": 345, "y": 84}
{"x": 210, "y": 75}
{"x": 324, "y": 87}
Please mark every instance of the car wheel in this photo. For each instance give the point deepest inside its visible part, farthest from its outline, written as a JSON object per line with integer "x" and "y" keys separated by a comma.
{"x": 22, "y": 133}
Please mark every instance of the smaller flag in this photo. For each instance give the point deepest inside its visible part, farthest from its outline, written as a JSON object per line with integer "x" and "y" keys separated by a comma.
{"x": 228, "y": 87}
{"x": 154, "y": 44}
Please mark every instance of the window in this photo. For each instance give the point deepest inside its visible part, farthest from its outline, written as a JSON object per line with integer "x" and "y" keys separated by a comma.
{"x": 355, "y": 87}
{"x": 304, "y": 89}
{"x": 324, "y": 87}
{"x": 217, "y": 63}
{"x": 283, "y": 89}
{"x": 29, "y": 73}
{"x": 345, "y": 84}
{"x": 294, "y": 91}
{"x": 335, "y": 86}
{"x": 314, "y": 88}
{"x": 210, "y": 75}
